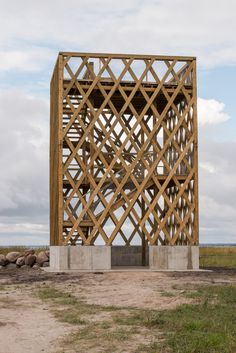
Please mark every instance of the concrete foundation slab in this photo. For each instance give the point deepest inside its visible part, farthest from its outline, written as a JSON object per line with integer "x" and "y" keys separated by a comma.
{"x": 88, "y": 258}
{"x": 174, "y": 257}
{"x": 105, "y": 258}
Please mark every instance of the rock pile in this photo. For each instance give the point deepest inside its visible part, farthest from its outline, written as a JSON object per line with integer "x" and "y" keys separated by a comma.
{"x": 29, "y": 258}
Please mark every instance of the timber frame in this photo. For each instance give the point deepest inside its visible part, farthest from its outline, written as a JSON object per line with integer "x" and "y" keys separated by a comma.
{"x": 123, "y": 150}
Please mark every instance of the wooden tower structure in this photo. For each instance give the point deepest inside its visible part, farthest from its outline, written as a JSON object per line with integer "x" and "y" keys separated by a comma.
{"x": 123, "y": 150}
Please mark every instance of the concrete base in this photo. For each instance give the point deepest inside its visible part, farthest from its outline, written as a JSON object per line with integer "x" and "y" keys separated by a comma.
{"x": 90, "y": 258}
{"x": 103, "y": 258}
{"x": 122, "y": 269}
{"x": 128, "y": 255}
{"x": 174, "y": 257}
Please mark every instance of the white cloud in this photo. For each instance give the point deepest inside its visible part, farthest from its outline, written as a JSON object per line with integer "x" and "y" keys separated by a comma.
{"x": 23, "y": 228}
{"x": 161, "y": 27}
{"x": 25, "y": 238}
{"x": 211, "y": 209}
{"x": 6, "y": 197}
{"x": 24, "y": 150}
{"x": 217, "y": 220}
{"x": 217, "y": 175}
{"x": 25, "y": 60}
{"x": 209, "y": 167}
{"x": 211, "y": 112}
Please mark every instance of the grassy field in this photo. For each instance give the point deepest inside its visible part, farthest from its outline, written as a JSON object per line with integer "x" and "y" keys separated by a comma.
{"x": 218, "y": 257}
{"x": 205, "y": 326}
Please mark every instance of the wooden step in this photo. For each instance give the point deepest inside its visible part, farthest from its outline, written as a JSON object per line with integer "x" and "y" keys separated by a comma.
{"x": 83, "y": 223}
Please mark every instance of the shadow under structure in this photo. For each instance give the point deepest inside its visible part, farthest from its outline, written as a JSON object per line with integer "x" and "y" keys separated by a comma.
{"x": 123, "y": 162}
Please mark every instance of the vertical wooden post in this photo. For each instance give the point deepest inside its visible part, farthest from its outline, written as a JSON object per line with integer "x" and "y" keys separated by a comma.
{"x": 60, "y": 149}
{"x": 195, "y": 159}
{"x": 56, "y": 155}
{"x": 143, "y": 212}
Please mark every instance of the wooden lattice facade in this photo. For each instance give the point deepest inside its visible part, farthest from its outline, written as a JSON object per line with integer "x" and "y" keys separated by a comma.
{"x": 123, "y": 157}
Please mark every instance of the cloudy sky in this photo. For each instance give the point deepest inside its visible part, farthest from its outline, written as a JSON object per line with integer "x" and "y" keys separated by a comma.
{"x": 31, "y": 34}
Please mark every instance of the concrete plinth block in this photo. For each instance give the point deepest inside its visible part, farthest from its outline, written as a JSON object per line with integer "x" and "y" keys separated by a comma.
{"x": 59, "y": 257}
{"x": 174, "y": 257}
{"x": 80, "y": 258}
{"x": 101, "y": 257}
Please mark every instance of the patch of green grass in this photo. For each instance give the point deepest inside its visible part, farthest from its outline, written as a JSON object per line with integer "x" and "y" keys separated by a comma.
{"x": 196, "y": 328}
{"x": 218, "y": 250}
{"x": 167, "y": 294}
{"x": 190, "y": 328}
{"x": 223, "y": 294}
{"x": 73, "y": 307}
{"x": 8, "y": 302}
{"x": 69, "y": 316}
{"x": 94, "y": 335}
{"x": 218, "y": 257}
{"x": 58, "y": 296}
{"x": 201, "y": 328}
{"x": 154, "y": 347}
{"x": 105, "y": 325}
{"x": 136, "y": 319}
{"x": 3, "y": 287}
{"x": 115, "y": 334}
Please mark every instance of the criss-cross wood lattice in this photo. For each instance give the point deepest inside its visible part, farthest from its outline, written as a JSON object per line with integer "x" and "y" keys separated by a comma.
{"x": 123, "y": 150}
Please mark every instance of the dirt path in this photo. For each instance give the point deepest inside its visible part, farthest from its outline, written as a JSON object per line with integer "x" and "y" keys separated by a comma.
{"x": 144, "y": 290}
{"x": 26, "y": 325}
